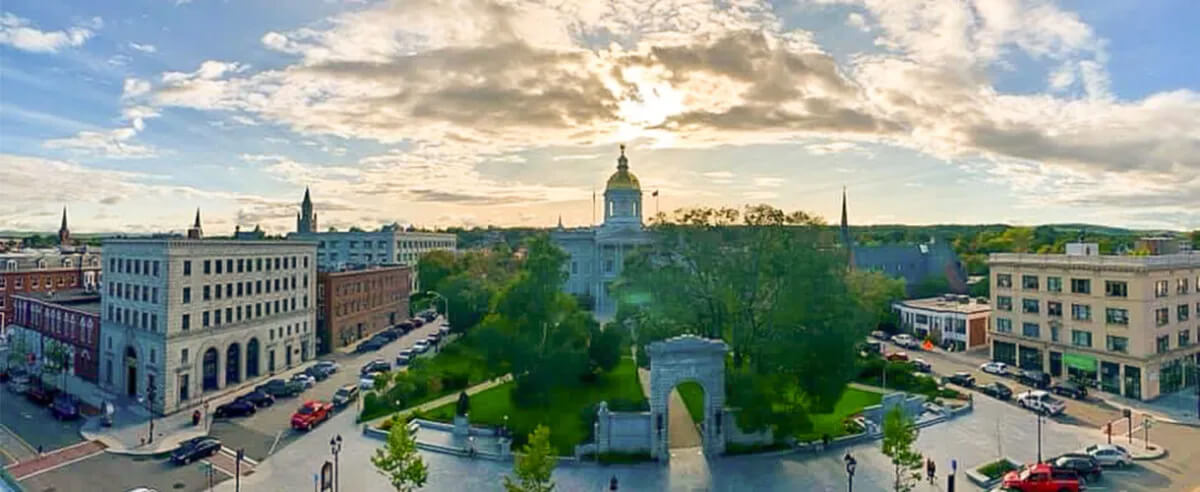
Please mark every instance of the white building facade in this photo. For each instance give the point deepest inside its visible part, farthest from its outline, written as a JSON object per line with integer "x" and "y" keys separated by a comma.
{"x": 184, "y": 318}
{"x": 958, "y": 321}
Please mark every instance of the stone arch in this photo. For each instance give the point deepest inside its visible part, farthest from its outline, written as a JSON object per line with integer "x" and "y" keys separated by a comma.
{"x": 233, "y": 363}
{"x": 681, "y": 359}
{"x": 210, "y": 369}
{"x": 253, "y": 356}
{"x": 131, "y": 362}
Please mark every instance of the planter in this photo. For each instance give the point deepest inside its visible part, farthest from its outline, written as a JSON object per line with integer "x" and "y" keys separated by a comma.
{"x": 987, "y": 475}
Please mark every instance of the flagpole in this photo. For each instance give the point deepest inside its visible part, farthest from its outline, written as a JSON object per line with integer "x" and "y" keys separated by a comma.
{"x": 593, "y": 205}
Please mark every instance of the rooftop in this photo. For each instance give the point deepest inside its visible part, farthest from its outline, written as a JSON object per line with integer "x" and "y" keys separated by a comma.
{"x": 78, "y": 299}
{"x": 357, "y": 269}
{"x": 949, "y": 303}
{"x": 1159, "y": 262}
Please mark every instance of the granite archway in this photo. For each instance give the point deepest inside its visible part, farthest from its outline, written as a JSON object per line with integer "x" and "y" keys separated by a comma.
{"x": 681, "y": 359}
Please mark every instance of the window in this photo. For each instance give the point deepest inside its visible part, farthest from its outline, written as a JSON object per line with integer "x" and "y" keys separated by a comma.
{"x": 229, "y": 290}
{"x": 1004, "y": 303}
{"x": 1004, "y": 280}
{"x": 187, "y": 267}
{"x": 204, "y": 320}
{"x": 1116, "y": 288}
{"x": 1181, "y": 312}
{"x": 1081, "y": 286}
{"x": 241, "y": 265}
{"x": 217, "y": 317}
{"x": 1161, "y": 288}
{"x": 1116, "y": 316}
{"x": 258, "y": 286}
{"x": 1118, "y": 344}
{"x": 155, "y": 268}
{"x": 219, "y": 265}
{"x": 207, "y": 292}
{"x": 229, "y": 315}
{"x": 229, "y": 265}
{"x": 1162, "y": 344}
{"x": 1054, "y": 308}
{"x": 239, "y": 289}
{"x": 1054, "y": 284}
{"x": 1081, "y": 312}
{"x": 1185, "y": 338}
{"x": 183, "y": 356}
{"x": 1080, "y": 338}
{"x": 1031, "y": 330}
{"x": 1029, "y": 282}
{"x": 1181, "y": 286}
{"x": 1030, "y": 306}
{"x": 207, "y": 267}
{"x": 186, "y": 322}
{"x": 153, "y": 356}
{"x": 1161, "y": 316}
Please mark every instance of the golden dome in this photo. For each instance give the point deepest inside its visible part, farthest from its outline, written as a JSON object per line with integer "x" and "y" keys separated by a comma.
{"x": 623, "y": 179}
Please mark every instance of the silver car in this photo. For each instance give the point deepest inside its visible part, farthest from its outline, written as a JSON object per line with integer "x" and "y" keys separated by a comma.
{"x": 1110, "y": 455}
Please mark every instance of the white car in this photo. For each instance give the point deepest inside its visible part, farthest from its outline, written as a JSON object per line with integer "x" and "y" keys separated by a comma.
{"x": 304, "y": 379}
{"x": 367, "y": 381}
{"x": 1041, "y": 402}
{"x": 997, "y": 368}
{"x": 1110, "y": 455}
{"x": 905, "y": 340}
{"x": 421, "y": 347}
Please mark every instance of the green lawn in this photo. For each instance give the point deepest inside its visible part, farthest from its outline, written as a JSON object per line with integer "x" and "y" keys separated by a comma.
{"x": 693, "y": 398}
{"x": 564, "y": 415}
{"x": 851, "y": 402}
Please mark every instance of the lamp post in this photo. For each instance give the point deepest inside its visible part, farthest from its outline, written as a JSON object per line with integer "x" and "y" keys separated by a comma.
{"x": 335, "y": 447}
{"x": 445, "y": 303}
{"x": 851, "y": 463}
{"x": 1039, "y": 436}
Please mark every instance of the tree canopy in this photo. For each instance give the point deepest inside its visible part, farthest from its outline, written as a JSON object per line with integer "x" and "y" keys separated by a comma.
{"x": 534, "y": 466}
{"x": 398, "y": 459}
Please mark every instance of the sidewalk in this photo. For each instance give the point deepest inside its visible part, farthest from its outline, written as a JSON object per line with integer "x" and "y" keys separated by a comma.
{"x": 58, "y": 458}
{"x": 437, "y": 402}
{"x": 1175, "y": 408}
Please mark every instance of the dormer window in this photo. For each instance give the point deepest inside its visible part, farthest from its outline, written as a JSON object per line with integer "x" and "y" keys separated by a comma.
{"x": 41, "y": 264}
{"x": 66, "y": 262}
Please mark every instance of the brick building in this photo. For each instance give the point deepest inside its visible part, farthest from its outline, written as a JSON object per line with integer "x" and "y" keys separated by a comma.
{"x": 45, "y": 270}
{"x": 70, "y": 318}
{"x": 354, "y": 304}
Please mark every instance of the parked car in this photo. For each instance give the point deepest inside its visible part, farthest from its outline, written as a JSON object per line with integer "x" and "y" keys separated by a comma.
{"x": 429, "y": 315}
{"x": 1035, "y": 379}
{"x": 258, "y": 398}
{"x": 377, "y": 365}
{"x": 432, "y": 340}
{"x": 905, "y": 340}
{"x": 320, "y": 373}
{"x": 41, "y": 394}
{"x": 65, "y": 407}
{"x": 997, "y": 390}
{"x": 997, "y": 368}
{"x": 879, "y": 335}
{"x": 1043, "y": 478}
{"x": 329, "y": 365}
{"x": 195, "y": 448}
{"x": 304, "y": 379}
{"x": 387, "y": 335}
{"x": 921, "y": 365}
{"x": 1110, "y": 455}
{"x": 417, "y": 322}
{"x": 19, "y": 384}
{"x": 1069, "y": 389}
{"x": 280, "y": 387}
{"x": 421, "y": 347}
{"x": 369, "y": 346}
{"x": 404, "y": 326}
{"x": 1041, "y": 402}
{"x": 310, "y": 414}
{"x": 402, "y": 359}
{"x": 435, "y": 336}
{"x": 236, "y": 408}
{"x": 443, "y": 331}
{"x": 344, "y": 395}
{"x": 366, "y": 382}
{"x": 897, "y": 357}
{"x": 1084, "y": 465}
{"x": 961, "y": 378}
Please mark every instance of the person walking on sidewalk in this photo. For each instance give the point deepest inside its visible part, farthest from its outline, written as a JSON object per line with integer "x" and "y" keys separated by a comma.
{"x": 931, "y": 470}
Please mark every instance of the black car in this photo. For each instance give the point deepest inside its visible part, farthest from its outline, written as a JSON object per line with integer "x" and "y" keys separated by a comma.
{"x": 318, "y": 372}
{"x": 1083, "y": 465}
{"x": 404, "y": 327}
{"x": 997, "y": 390}
{"x": 280, "y": 387}
{"x": 195, "y": 448}
{"x": 1036, "y": 379}
{"x": 369, "y": 346}
{"x": 376, "y": 365}
{"x": 236, "y": 408}
{"x": 1068, "y": 388}
{"x": 258, "y": 398}
{"x": 387, "y": 336}
{"x": 963, "y": 379}
{"x": 417, "y": 322}
{"x": 65, "y": 407}
{"x": 921, "y": 365}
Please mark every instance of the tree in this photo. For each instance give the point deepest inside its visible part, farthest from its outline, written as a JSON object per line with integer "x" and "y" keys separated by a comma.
{"x": 931, "y": 286}
{"x": 534, "y": 467}
{"x": 1196, "y": 239}
{"x": 604, "y": 347}
{"x": 875, "y": 293}
{"x": 399, "y": 461}
{"x": 433, "y": 267}
{"x": 58, "y": 360}
{"x": 899, "y": 434}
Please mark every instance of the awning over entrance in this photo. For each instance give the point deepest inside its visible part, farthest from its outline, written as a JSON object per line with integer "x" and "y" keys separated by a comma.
{"x": 1080, "y": 362}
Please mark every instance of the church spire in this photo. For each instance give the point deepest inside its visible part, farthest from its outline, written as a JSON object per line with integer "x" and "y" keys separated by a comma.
{"x": 560, "y": 226}
{"x": 195, "y": 232}
{"x": 307, "y": 199}
{"x": 622, "y": 162}
{"x": 845, "y": 232}
{"x": 64, "y": 234}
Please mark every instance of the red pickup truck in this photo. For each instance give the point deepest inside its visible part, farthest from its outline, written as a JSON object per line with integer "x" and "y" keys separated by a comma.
{"x": 1043, "y": 478}
{"x": 310, "y": 414}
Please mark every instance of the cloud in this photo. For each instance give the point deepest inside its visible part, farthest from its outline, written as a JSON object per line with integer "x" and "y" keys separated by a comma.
{"x": 144, "y": 48}
{"x": 111, "y": 200}
{"x": 576, "y": 157}
{"x": 857, "y": 21}
{"x": 134, "y": 87}
{"x": 21, "y": 34}
{"x": 113, "y": 144}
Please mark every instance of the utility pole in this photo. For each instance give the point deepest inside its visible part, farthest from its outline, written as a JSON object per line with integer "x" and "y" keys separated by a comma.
{"x": 237, "y": 475}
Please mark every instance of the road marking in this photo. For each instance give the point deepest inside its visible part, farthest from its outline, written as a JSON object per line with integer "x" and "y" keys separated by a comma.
{"x": 11, "y": 458}
{"x": 20, "y": 441}
{"x": 232, "y": 453}
{"x": 276, "y": 443}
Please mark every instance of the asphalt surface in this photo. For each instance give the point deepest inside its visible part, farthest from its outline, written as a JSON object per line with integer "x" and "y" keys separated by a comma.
{"x": 33, "y": 425}
{"x": 117, "y": 473}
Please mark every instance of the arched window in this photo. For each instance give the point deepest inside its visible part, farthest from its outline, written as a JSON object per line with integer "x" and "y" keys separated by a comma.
{"x": 66, "y": 262}
{"x": 41, "y": 264}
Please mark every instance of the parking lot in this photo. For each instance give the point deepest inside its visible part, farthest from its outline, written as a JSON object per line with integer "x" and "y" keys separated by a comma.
{"x": 269, "y": 430}
{"x": 29, "y": 426}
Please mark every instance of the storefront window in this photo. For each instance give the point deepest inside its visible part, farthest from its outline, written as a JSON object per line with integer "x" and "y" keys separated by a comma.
{"x": 1004, "y": 352}
{"x": 1056, "y": 364}
{"x": 1030, "y": 358}
{"x": 1133, "y": 382}
{"x": 1081, "y": 368}
{"x": 1170, "y": 377}
{"x": 1110, "y": 377}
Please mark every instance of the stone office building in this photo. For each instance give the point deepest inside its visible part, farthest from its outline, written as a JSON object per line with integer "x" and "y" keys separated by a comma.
{"x": 190, "y": 317}
{"x": 354, "y": 304}
{"x": 1125, "y": 324}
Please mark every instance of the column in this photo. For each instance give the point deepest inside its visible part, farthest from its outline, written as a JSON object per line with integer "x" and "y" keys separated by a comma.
{"x": 220, "y": 368}
{"x": 244, "y": 355}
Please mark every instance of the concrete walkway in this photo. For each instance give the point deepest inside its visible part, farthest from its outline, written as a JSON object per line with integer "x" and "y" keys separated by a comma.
{"x": 437, "y": 402}
{"x": 1175, "y": 408}
{"x": 681, "y": 430}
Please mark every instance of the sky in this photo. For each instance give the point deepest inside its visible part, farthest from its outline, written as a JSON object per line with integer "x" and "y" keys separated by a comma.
{"x": 440, "y": 113}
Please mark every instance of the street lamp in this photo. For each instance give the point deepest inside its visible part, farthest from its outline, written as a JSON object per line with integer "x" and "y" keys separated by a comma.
{"x": 445, "y": 304}
{"x": 851, "y": 463}
{"x": 335, "y": 447}
{"x": 1039, "y": 436}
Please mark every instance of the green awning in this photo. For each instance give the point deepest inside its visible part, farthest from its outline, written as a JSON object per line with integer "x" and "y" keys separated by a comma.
{"x": 1080, "y": 361}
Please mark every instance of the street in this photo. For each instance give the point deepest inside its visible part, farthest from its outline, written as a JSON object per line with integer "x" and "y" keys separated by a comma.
{"x": 27, "y": 426}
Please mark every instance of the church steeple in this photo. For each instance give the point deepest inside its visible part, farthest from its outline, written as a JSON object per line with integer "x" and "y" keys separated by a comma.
{"x": 64, "y": 234}
{"x": 845, "y": 232}
{"x": 306, "y": 220}
{"x": 196, "y": 232}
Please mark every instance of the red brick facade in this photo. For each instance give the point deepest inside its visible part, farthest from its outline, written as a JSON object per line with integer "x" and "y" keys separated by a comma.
{"x": 76, "y": 327}
{"x": 35, "y": 281}
{"x": 352, "y": 305}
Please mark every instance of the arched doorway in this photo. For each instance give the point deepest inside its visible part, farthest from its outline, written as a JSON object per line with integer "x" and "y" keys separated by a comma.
{"x": 685, "y": 414}
{"x": 209, "y": 369}
{"x": 233, "y": 364}
{"x": 252, "y": 358}
{"x": 685, "y": 359}
{"x": 131, "y": 362}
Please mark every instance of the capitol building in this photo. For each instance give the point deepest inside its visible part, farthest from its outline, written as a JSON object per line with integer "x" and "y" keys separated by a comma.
{"x": 597, "y": 253}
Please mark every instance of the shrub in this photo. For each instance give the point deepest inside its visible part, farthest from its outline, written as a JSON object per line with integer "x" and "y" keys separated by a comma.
{"x": 996, "y": 469}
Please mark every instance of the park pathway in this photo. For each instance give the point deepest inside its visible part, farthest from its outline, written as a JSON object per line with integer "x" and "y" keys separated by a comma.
{"x": 437, "y": 402}
{"x": 682, "y": 432}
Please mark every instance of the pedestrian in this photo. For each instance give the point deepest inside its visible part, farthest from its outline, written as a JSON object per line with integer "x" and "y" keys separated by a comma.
{"x": 932, "y": 471}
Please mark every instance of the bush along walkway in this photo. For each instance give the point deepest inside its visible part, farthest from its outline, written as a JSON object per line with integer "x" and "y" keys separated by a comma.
{"x": 437, "y": 402}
